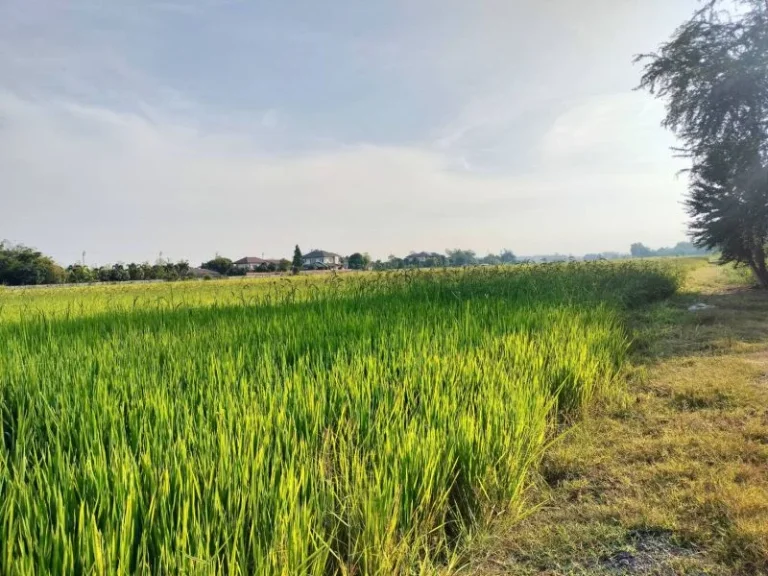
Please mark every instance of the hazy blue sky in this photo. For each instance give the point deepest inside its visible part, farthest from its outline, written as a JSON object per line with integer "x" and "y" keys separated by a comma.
{"x": 130, "y": 127}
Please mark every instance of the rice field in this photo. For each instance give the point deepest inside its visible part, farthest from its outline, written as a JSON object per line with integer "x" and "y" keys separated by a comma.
{"x": 296, "y": 426}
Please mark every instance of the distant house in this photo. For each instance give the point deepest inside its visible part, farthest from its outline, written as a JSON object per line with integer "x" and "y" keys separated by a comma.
{"x": 418, "y": 258}
{"x": 254, "y": 264}
{"x": 322, "y": 259}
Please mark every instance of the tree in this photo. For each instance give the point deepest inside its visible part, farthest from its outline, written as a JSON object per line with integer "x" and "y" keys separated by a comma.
{"x": 169, "y": 271}
{"x": 21, "y": 265}
{"x": 284, "y": 265}
{"x": 157, "y": 271}
{"x": 713, "y": 77}
{"x": 181, "y": 268}
{"x": 640, "y": 250}
{"x": 395, "y": 263}
{"x": 219, "y": 264}
{"x": 461, "y": 257}
{"x": 297, "y": 262}
{"x": 135, "y": 271}
{"x": 79, "y": 274}
{"x": 118, "y": 273}
{"x": 435, "y": 261}
{"x": 104, "y": 274}
{"x": 507, "y": 257}
{"x": 357, "y": 261}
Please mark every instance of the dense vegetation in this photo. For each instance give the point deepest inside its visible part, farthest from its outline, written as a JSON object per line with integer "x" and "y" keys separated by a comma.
{"x": 335, "y": 426}
{"x": 713, "y": 77}
{"x": 20, "y": 265}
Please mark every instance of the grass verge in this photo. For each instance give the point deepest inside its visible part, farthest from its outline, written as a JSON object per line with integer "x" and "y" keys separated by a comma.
{"x": 671, "y": 477}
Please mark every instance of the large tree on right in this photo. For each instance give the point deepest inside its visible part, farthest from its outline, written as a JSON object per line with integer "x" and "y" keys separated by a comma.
{"x": 713, "y": 77}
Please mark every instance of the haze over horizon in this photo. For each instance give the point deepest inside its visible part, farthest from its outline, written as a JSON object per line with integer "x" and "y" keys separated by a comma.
{"x": 245, "y": 128}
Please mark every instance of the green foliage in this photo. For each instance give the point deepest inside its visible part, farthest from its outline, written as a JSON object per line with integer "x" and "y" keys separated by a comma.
{"x": 358, "y": 261}
{"x": 297, "y": 263}
{"x": 395, "y": 263}
{"x": 640, "y": 250}
{"x": 461, "y": 257}
{"x": 713, "y": 75}
{"x": 79, "y": 274}
{"x": 135, "y": 272}
{"x": 223, "y": 266}
{"x": 354, "y": 426}
{"x": 119, "y": 273}
{"x": 507, "y": 257}
{"x": 20, "y": 265}
{"x": 147, "y": 271}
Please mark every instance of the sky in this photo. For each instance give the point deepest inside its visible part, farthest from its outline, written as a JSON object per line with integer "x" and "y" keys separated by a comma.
{"x": 241, "y": 127}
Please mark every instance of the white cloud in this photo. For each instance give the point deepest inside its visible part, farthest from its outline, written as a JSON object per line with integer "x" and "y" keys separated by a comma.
{"x": 621, "y": 131}
{"x": 123, "y": 187}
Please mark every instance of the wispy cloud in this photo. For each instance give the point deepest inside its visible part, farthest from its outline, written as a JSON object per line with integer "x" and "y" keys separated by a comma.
{"x": 201, "y": 125}
{"x": 118, "y": 185}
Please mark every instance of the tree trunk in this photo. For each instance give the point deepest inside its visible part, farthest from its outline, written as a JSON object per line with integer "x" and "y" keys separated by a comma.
{"x": 762, "y": 276}
{"x": 759, "y": 267}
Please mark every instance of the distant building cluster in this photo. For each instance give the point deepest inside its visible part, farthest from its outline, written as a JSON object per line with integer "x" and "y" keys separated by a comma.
{"x": 314, "y": 260}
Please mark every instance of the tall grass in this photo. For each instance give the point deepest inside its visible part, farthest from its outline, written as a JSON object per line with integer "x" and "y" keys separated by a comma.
{"x": 354, "y": 426}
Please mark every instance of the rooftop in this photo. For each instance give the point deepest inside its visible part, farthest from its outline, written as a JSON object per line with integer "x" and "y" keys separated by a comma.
{"x": 321, "y": 254}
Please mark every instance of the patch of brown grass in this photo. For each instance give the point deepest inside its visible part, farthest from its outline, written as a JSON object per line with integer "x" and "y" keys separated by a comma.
{"x": 671, "y": 477}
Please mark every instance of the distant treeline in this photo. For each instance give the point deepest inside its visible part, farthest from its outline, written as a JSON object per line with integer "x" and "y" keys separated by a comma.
{"x": 23, "y": 266}
{"x": 79, "y": 273}
{"x": 640, "y": 250}
{"x": 455, "y": 257}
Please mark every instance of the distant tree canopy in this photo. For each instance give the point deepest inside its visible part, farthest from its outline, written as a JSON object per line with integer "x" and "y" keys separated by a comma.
{"x": 394, "y": 262}
{"x": 640, "y": 250}
{"x": 221, "y": 265}
{"x": 21, "y": 265}
{"x": 79, "y": 273}
{"x": 459, "y": 257}
{"x": 713, "y": 76}
{"x": 358, "y": 261}
{"x": 507, "y": 257}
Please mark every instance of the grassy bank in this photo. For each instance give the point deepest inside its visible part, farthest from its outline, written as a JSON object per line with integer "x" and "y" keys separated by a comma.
{"x": 352, "y": 426}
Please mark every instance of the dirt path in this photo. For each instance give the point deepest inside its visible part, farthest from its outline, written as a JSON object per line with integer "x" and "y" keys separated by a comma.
{"x": 672, "y": 477}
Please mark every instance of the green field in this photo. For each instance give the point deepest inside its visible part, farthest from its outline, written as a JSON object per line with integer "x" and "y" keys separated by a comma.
{"x": 309, "y": 426}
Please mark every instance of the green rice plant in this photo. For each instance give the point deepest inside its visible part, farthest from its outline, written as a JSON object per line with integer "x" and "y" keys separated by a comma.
{"x": 335, "y": 426}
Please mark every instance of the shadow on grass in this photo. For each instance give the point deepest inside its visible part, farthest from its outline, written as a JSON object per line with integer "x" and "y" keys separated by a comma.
{"x": 736, "y": 322}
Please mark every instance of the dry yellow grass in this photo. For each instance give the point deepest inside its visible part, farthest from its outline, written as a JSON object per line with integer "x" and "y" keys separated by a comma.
{"x": 672, "y": 477}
